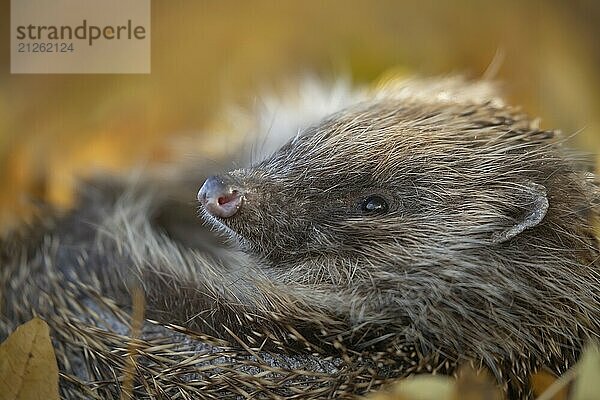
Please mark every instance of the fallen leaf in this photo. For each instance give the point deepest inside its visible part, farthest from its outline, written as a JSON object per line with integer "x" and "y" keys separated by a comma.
{"x": 542, "y": 383}
{"x": 28, "y": 368}
{"x": 476, "y": 385}
{"x": 587, "y": 384}
{"x": 419, "y": 387}
{"x": 425, "y": 387}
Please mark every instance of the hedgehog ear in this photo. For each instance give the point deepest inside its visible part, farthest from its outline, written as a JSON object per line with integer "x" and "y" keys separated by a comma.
{"x": 535, "y": 204}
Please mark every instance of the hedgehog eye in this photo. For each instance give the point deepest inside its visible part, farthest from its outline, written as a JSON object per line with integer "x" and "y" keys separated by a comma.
{"x": 374, "y": 205}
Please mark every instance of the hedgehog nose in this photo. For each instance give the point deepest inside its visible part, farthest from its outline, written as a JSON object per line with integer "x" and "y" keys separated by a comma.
{"x": 219, "y": 198}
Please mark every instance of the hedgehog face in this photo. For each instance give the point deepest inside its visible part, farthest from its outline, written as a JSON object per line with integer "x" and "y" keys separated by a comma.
{"x": 331, "y": 190}
{"x": 385, "y": 184}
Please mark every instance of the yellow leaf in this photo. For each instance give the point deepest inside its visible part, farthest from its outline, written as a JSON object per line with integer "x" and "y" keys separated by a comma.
{"x": 425, "y": 387}
{"x": 419, "y": 387}
{"x": 28, "y": 367}
{"x": 546, "y": 383}
{"x": 476, "y": 385}
{"x": 587, "y": 384}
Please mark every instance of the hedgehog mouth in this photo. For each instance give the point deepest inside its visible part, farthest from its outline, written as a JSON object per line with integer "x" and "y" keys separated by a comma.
{"x": 219, "y": 225}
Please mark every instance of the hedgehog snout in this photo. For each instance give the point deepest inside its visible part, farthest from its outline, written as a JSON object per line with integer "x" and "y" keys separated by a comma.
{"x": 219, "y": 197}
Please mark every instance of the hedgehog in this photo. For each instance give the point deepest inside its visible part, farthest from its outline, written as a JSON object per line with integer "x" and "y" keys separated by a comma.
{"x": 403, "y": 230}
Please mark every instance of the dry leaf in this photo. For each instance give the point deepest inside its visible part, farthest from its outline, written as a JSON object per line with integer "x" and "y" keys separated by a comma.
{"x": 420, "y": 387}
{"x": 476, "y": 385}
{"x": 28, "y": 367}
{"x": 385, "y": 395}
{"x": 587, "y": 386}
{"x": 542, "y": 381}
{"x": 425, "y": 387}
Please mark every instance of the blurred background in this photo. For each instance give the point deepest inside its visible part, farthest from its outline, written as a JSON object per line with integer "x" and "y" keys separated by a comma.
{"x": 207, "y": 54}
